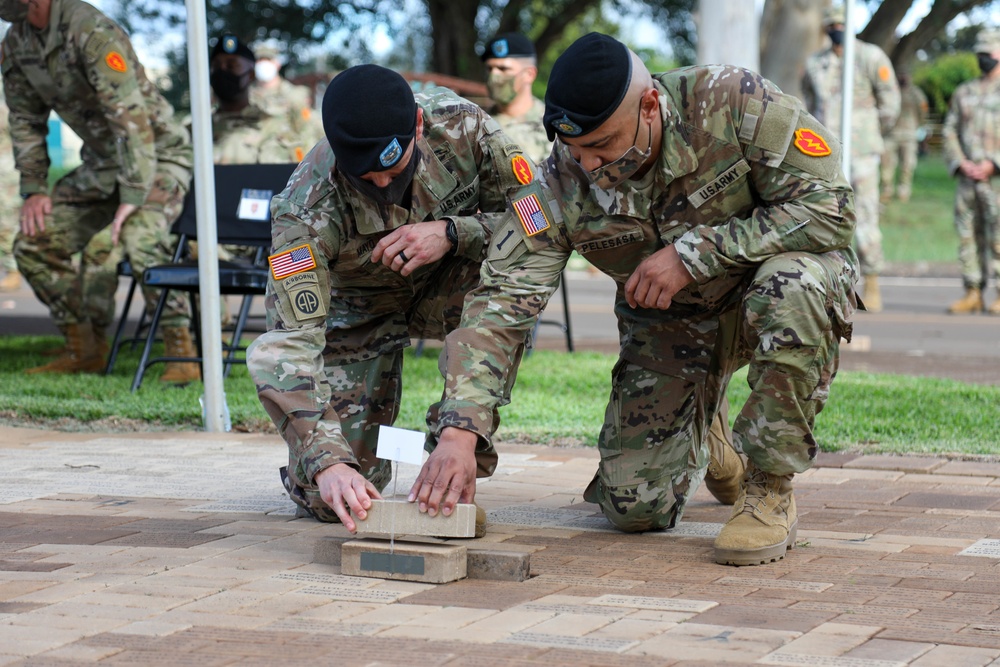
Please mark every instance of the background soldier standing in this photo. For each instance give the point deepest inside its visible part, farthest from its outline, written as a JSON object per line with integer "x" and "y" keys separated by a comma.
{"x": 511, "y": 68}
{"x": 901, "y": 143}
{"x": 876, "y": 107}
{"x": 10, "y": 205}
{"x": 719, "y": 207}
{"x": 279, "y": 97}
{"x": 136, "y": 166}
{"x": 376, "y": 240}
{"x": 972, "y": 148}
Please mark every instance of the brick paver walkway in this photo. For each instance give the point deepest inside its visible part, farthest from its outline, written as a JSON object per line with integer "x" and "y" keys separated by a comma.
{"x": 181, "y": 549}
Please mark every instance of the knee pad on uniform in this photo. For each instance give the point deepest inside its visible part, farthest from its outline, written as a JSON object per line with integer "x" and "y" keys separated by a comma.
{"x": 637, "y": 509}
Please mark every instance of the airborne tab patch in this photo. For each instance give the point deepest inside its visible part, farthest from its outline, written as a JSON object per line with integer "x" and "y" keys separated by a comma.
{"x": 811, "y": 143}
{"x": 292, "y": 261}
{"x": 116, "y": 62}
{"x": 529, "y": 212}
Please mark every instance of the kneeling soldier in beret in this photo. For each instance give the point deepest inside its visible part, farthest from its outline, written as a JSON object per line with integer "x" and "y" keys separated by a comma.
{"x": 719, "y": 207}
{"x": 377, "y": 238}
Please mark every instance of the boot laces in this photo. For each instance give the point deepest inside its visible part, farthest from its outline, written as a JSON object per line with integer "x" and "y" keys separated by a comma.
{"x": 757, "y": 491}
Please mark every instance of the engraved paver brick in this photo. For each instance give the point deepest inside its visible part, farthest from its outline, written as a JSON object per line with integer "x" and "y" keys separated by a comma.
{"x": 900, "y": 463}
{"x": 398, "y": 517}
{"x": 410, "y": 561}
{"x": 950, "y": 656}
{"x": 714, "y": 644}
{"x": 947, "y": 500}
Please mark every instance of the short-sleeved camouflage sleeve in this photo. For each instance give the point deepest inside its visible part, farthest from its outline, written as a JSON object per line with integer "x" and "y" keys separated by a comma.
{"x": 112, "y": 70}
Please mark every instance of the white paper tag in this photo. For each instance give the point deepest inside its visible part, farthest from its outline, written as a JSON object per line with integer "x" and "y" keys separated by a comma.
{"x": 255, "y": 205}
{"x": 399, "y": 444}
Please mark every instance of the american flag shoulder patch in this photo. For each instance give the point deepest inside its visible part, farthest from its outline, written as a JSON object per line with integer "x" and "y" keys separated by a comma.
{"x": 530, "y": 213}
{"x": 292, "y": 261}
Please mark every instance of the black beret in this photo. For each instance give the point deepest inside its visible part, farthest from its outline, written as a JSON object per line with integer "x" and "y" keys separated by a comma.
{"x": 233, "y": 45}
{"x": 369, "y": 116}
{"x": 588, "y": 82}
{"x": 509, "y": 45}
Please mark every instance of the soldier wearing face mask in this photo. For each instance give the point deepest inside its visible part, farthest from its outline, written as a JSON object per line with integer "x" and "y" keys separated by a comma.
{"x": 972, "y": 147}
{"x": 719, "y": 207}
{"x": 511, "y": 68}
{"x": 876, "y": 105}
{"x": 377, "y": 238}
{"x": 280, "y": 98}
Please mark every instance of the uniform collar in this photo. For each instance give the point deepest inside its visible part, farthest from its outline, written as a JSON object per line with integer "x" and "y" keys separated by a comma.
{"x": 432, "y": 182}
{"x": 52, "y": 36}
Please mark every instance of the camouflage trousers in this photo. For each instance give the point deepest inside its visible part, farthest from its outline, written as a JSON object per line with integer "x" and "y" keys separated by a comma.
{"x": 9, "y": 226}
{"x": 81, "y": 213}
{"x": 977, "y": 221}
{"x": 788, "y": 329}
{"x": 364, "y": 393}
{"x": 901, "y": 153}
{"x": 868, "y": 234}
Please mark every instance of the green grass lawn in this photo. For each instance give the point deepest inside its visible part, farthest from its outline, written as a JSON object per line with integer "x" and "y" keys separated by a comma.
{"x": 922, "y": 230}
{"x": 558, "y": 398}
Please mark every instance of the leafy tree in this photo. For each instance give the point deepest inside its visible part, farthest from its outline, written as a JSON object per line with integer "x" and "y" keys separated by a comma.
{"x": 940, "y": 78}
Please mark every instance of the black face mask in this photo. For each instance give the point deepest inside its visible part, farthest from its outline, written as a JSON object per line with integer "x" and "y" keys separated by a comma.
{"x": 986, "y": 62}
{"x": 836, "y": 36}
{"x": 228, "y": 86}
{"x": 395, "y": 192}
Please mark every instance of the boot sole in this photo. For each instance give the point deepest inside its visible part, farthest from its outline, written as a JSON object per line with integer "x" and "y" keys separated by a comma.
{"x": 740, "y": 557}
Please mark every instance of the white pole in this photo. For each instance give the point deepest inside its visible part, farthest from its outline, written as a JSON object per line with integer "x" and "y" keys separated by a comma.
{"x": 728, "y": 33}
{"x": 208, "y": 251}
{"x": 847, "y": 87}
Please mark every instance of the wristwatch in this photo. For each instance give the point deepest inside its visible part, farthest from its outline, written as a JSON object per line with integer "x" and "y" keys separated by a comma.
{"x": 451, "y": 232}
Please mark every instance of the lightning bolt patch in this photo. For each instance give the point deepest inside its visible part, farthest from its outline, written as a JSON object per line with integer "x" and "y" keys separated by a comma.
{"x": 811, "y": 143}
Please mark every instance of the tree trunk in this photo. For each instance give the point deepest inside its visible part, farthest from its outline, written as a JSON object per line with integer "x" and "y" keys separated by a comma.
{"x": 454, "y": 38}
{"x": 790, "y": 32}
{"x": 557, "y": 25}
{"x": 881, "y": 29}
{"x": 941, "y": 13}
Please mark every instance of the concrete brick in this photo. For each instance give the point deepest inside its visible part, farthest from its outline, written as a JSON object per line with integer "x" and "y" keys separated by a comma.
{"x": 499, "y": 565}
{"x": 409, "y": 561}
{"x": 408, "y": 520}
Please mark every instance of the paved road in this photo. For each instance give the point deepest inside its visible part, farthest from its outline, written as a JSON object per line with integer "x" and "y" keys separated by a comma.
{"x": 913, "y": 335}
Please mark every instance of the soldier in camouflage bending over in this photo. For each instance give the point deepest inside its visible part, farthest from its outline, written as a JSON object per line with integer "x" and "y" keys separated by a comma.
{"x": 65, "y": 56}
{"x": 377, "y": 238}
{"x": 719, "y": 207}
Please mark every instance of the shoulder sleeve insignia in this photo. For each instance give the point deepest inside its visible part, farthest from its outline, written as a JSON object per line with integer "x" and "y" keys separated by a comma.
{"x": 522, "y": 170}
{"x": 811, "y": 143}
{"x": 884, "y": 73}
{"x": 292, "y": 261}
{"x": 529, "y": 211}
{"x": 116, "y": 62}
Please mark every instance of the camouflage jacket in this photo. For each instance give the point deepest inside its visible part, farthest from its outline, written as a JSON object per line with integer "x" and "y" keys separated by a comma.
{"x": 8, "y": 175}
{"x": 527, "y": 130}
{"x": 82, "y": 66}
{"x": 876, "y": 95}
{"x": 912, "y": 113}
{"x": 744, "y": 173}
{"x": 358, "y": 309}
{"x": 972, "y": 126}
{"x": 251, "y": 136}
{"x": 291, "y": 103}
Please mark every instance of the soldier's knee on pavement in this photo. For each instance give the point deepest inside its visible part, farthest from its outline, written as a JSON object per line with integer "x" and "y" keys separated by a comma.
{"x": 630, "y": 513}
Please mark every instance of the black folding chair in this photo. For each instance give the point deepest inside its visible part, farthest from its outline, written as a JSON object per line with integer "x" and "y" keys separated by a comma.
{"x": 243, "y": 193}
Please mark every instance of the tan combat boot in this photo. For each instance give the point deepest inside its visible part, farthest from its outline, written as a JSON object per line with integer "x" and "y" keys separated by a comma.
{"x": 82, "y": 353}
{"x": 100, "y": 339}
{"x": 972, "y": 302}
{"x": 10, "y": 282}
{"x": 764, "y": 521}
{"x": 725, "y": 465}
{"x": 177, "y": 343}
{"x": 872, "y": 296}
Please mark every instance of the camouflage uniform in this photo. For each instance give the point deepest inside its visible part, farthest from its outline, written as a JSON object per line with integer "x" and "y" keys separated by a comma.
{"x": 972, "y": 132}
{"x": 251, "y": 136}
{"x": 875, "y": 109}
{"x": 10, "y": 203}
{"x": 328, "y": 370}
{"x": 901, "y": 143}
{"x": 765, "y": 230}
{"x": 290, "y": 103}
{"x": 527, "y": 130}
{"x": 83, "y": 67}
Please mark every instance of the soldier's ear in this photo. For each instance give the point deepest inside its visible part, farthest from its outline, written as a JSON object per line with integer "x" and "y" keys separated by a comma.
{"x": 420, "y": 123}
{"x": 650, "y": 105}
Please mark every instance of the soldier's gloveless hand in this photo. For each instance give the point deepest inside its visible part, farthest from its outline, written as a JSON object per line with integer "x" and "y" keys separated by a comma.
{"x": 33, "y": 213}
{"x": 345, "y": 490}
{"x": 449, "y": 474}
{"x": 406, "y": 249}
{"x": 657, "y": 279}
